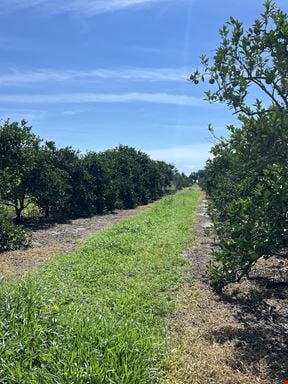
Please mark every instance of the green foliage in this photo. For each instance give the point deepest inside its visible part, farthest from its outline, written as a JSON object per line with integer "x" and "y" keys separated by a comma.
{"x": 98, "y": 315}
{"x": 247, "y": 179}
{"x": 11, "y": 236}
{"x": 136, "y": 179}
{"x": 19, "y": 149}
{"x": 63, "y": 183}
{"x": 49, "y": 187}
{"x": 102, "y": 187}
{"x": 196, "y": 177}
{"x": 180, "y": 180}
{"x": 248, "y": 61}
{"x": 78, "y": 184}
{"x": 126, "y": 172}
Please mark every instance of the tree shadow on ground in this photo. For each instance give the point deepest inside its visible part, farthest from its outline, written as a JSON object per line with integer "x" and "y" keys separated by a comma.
{"x": 260, "y": 337}
{"x": 38, "y": 223}
{"x": 35, "y": 223}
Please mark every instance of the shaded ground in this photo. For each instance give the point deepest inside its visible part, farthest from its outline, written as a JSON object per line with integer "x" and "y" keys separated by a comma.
{"x": 49, "y": 240}
{"x": 238, "y": 337}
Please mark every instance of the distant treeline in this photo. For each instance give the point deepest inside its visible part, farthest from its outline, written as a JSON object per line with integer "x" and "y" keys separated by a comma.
{"x": 64, "y": 183}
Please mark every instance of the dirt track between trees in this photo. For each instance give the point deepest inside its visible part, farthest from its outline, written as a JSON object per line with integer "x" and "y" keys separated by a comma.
{"x": 52, "y": 239}
{"x": 240, "y": 336}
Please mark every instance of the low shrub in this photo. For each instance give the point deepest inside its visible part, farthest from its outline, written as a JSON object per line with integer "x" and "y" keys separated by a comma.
{"x": 12, "y": 236}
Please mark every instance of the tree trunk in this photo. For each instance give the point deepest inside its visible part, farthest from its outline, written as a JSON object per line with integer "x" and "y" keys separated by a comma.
{"x": 18, "y": 217}
{"x": 47, "y": 212}
{"x": 18, "y": 210}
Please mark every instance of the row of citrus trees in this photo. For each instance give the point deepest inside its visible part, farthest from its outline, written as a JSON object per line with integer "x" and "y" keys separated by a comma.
{"x": 64, "y": 183}
{"x": 247, "y": 178}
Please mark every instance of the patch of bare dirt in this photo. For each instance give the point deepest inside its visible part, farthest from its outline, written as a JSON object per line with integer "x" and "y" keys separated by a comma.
{"x": 50, "y": 239}
{"x": 240, "y": 336}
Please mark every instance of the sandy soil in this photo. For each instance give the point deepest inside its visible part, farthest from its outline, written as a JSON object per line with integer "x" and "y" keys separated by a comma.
{"x": 240, "y": 336}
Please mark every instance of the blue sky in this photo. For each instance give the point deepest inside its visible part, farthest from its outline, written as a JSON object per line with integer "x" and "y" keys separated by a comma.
{"x": 97, "y": 73}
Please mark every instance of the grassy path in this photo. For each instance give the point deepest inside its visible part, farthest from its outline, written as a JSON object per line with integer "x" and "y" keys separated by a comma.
{"x": 98, "y": 315}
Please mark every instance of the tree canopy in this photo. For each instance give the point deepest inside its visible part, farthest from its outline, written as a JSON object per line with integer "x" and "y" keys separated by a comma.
{"x": 19, "y": 149}
{"x": 247, "y": 179}
{"x": 249, "y": 61}
{"x": 65, "y": 183}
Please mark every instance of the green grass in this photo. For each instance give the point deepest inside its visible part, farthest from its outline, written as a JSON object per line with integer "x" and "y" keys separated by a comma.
{"x": 98, "y": 315}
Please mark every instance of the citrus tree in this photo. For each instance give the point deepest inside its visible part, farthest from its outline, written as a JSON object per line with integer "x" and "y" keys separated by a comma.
{"x": 19, "y": 150}
{"x": 247, "y": 177}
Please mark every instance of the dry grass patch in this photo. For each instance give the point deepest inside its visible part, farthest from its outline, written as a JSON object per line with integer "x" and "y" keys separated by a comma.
{"x": 205, "y": 333}
{"x": 195, "y": 356}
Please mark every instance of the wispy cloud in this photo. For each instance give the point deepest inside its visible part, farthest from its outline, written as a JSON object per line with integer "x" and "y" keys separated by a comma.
{"x": 32, "y": 116}
{"x": 73, "y": 112}
{"x": 84, "y": 7}
{"x": 17, "y": 77}
{"x": 82, "y": 98}
{"x": 187, "y": 158}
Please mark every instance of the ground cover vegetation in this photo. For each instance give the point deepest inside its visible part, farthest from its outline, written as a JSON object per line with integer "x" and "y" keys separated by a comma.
{"x": 62, "y": 183}
{"x": 98, "y": 315}
{"x": 247, "y": 178}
